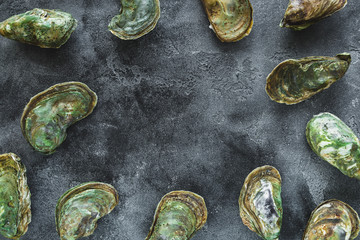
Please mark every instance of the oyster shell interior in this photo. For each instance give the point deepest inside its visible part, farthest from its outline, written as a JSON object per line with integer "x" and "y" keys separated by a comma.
{"x": 15, "y": 204}
{"x": 48, "y": 114}
{"x": 260, "y": 202}
{"x": 300, "y": 14}
{"x": 231, "y": 20}
{"x": 294, "y": 81}
{"x": 136, "y": 18}
{"x": 41, "y": 27}
{"x": 332, "y": 219}
{"x": 178, "y": 216}
{"x": 79, "y": 209}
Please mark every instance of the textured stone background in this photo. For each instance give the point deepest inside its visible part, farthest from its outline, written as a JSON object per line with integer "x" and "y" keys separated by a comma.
{"x": 178, "y": 109}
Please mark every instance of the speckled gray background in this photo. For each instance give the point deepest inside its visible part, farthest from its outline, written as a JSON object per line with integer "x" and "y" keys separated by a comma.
{"x": 178, "y": 109}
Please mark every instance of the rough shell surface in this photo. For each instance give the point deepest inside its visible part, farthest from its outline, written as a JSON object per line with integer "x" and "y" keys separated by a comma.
{"x": 300, "y": 14}
{"x": 41, "y": 27}
{"x": 179, "y": 215}
{"x": 332, "y": 140}
{"x": 231, "y": 20}
{"x": 48, "y": 114}
{"x": 136, "y": 18}
{"x": 260, "y": 202}
{"x": 332, "y": 220}
{"x": 79, "y": 209}
{"x": 15, "y": 205}
{"x": 294, "y": 81}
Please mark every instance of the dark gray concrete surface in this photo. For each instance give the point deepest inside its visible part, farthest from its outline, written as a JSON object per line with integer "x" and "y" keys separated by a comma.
{"x": 177, "y": 110}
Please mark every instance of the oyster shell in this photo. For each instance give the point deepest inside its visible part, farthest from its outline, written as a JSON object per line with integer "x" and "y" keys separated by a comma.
{"x": 41, "y": 27}
{"x": 300, "y": 14}
{"x": 15, "y": 205}
{"x": 294, "y": 81}
{"x": 231, "y": 20}
{"x": 334, "y": 220}
{"x": 49, "y": 113}
{"x": 178, "y": 216}
{"x": 136, "y": 18}
{"x": 332, "y": 140}
{"x": 79, "y": 209}
{"x": 260, "y": 202}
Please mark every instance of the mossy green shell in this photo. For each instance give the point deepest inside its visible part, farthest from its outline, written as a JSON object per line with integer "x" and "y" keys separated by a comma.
{"x": 41, "y": 27}
{"x": 231, "y": 20}
{"x": 178, "y": 216}
{"x": 79, "y": 209}
{"x": 136, "y": 18}
{"x": 332, "y": 220}
{"x": 48, "y": 114}
{"x": 260, "y": 202}
{"x": 300, "y": 14}
{"x": 332, "y": 140}
{"x": 15, "y": 205}
{"x": 294, "y": 81}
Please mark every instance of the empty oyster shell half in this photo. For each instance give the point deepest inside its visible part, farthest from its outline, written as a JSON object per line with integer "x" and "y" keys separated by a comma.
{"x": 41, "y": 27}
{"x": 178, "y": 216}
{"x": 136, "y": 18}
{"x": 294, "y": 81}
{"x": 260, "y": 202}
{"x": 49, "y": 113}
{"x": 334, "y": 220}
{"x": 300, "y": 14}
{"x": 231, "y": 20}
{"x": 79, "y": 209}
{"x": 332, "y": 140}
{"x": 15, "y": 205}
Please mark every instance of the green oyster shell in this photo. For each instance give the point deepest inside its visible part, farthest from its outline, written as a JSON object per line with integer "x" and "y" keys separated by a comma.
{"x": 41, "y": 27}
{"x": 294, "y": 81}
{"x": 15, "y": 205}
{"x": 79, "y": 209}
{"x": 179, "y": 215}
{"x": 136, "y": 18}
{"x": 260, "y": 202}
{"x": 332, "y": 140}
{"x": 332, "y": 220}
{"x": 300, "y": 14}
{"x": 231, "y": 20}
{"x": 49, "y": 113}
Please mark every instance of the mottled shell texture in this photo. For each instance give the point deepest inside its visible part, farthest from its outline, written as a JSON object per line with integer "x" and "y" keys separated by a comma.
{"x": 260, "y": 202}
{"x": 48, "y": 114}
{"x": 294, "y": 81}
{"x": 332, "y": 220}
{"x": 231, "y": 20}
{"x": 79, "y": 209}
{"x": 300, "y": 14}
{"x": 15, "y": 205}
{"x": 332, "y": 140}
{"x": 136, "y": 18}
{"x": 178, "y": 216}
{"x": 41, "y": 27}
